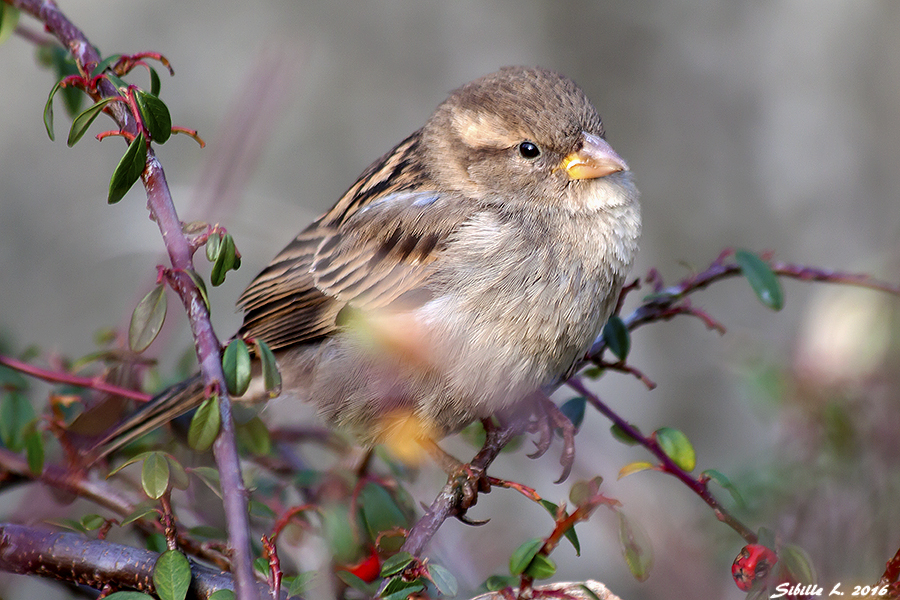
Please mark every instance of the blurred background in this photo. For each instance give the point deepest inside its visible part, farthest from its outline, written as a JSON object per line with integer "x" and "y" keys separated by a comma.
{"x": 767, "y": 126}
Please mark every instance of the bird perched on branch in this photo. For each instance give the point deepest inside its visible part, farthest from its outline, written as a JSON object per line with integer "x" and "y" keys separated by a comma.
{"x": 467, "y": 268}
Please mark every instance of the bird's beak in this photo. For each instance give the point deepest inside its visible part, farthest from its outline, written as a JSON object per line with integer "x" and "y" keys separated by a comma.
{"x": 595, "y": 158}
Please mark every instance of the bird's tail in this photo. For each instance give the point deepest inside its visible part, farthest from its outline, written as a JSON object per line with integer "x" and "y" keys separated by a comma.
{"x": 166, "y": 406}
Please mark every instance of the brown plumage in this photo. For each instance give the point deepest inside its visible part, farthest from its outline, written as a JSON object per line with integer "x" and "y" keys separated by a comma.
{"x": 466, "y": 268}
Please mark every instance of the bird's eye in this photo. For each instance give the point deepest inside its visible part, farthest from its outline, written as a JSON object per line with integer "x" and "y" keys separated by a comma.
{"x": 529, "y": 150}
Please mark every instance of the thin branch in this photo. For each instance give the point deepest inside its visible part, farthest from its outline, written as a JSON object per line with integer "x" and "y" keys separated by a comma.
{"x": 667, "y": 465}
{"x": 162, "y": 210}
{"x": 92, "y": 383}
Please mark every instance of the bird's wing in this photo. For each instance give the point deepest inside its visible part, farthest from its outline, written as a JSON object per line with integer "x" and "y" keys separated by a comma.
{"x": 372, "y": 254}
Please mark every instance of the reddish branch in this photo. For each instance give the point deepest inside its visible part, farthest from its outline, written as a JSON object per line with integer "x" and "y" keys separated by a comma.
{"x": 92, "y": 383}
{"x": 162, "y": 210}
{"x": 667, "y": 465}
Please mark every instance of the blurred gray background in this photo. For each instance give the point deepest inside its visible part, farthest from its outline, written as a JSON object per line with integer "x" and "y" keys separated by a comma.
{"x": 772, "y": 125}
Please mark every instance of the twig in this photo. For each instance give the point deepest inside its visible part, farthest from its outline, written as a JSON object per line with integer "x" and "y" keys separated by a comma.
{"x": 162, "y": 210}
{"x": 92, "y": 383}
{"x": 667, "y": 465}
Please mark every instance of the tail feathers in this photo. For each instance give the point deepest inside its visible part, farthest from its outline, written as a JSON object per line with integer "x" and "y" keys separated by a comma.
{"x": 168, "y": 405}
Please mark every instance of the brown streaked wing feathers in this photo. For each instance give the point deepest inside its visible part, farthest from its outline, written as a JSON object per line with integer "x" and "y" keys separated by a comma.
{"x": 370, "y": 261}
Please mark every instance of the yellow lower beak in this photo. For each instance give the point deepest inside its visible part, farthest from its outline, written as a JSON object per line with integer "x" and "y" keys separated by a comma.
{"x": 595, "y": 158}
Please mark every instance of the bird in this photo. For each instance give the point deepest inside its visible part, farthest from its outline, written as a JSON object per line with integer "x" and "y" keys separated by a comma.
{"x": 465, "y": 270}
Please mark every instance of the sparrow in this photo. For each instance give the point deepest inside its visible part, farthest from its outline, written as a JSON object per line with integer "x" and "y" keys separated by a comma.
{"x": 466, "y": 269}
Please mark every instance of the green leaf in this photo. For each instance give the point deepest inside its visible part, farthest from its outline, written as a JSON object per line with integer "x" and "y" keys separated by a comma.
{"x": 129, "y": 596}
{"x": 583, "y": 492}
{"x": 622, "y": 435}
{"x": 635, "y": 467}
{"x": 210, "y": 477}
{"x": 224, "y": 260}
{"x": 117, "y": 81}
{"x": 129, "y": 169}
{"x": 213, "y": 247}
{"x": 178, "y": 477}
{"x": 48, "y": 111}
{"x": 396, "y": 564}
{"x": 16, "y": 415}
{"x": 205, "y": 425}
{"x": 617, "y": 339}
{"x": 255, "y": 436}
{"x": 570, "y": 532}
{"x": 523, "y": 555}
{"x": 223, "y": 594}
{"x": 443, "y": 580}
{"x": 262, "y": 566}
{"x": 201, "y": 287}
{"x": 794, "y": 560}
{"x": 677, "y": 447}
{"x": 155, "y": 83}
{"x": 34, "y": 452}
{"x": 719, "y": 478}
{"x": 397, "y": 589}
{"x": 495, "y": 583}
{"x": 271, "y": 375}
{"x": 172, "y": 575}
{"x": 141, "y": 512}
{"x": 380, "y": 511}
{"x": 635, "y": 547}
{"x": 541, "y": 567}
{"x": 92, "y": 522}
{"x": 762, "y": 279}
{"x": 356, "y": 583}
{"x": 147, "y": 319}
{"x": 237, "y": 367}
{"x": 155, "y": 474}
{"x": 155, "y": 115}
{"x": 574, "y": 410}
{"x": 9, "y": 18}
{"x": 81, "y": 123}
{"x": 105, "y": 64}
{"x": 300, "y": 583}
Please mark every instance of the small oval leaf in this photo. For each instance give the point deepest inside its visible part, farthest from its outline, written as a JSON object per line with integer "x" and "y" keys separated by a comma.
{"x": 635, "y": 547}
{"x": 128, "y": 170}
{"x": 9, "y": 18}
{"x": 224, "y": 260}
{"x": 34, "y": 452}
{"x": 16, "y": 415}
{"x": 762, "y": 279}
{"x": 523, "y": 555}
{"x": 172, "y": 575}
{"x": 677, "y": 447}
{"x": 617, "y": 338}
{"x": 155, "y": 475}
{"x": 213, "y": 247}
{"x": 205, "y": 425}
{"x": 443, "y": 580}
{"x": 237, "y": 367}
{"x": 48, "y": 111}
{"x": 155, "y": 115}
{"x": 635, "y": 467}
{"x": 622, "y": 435}
{"x": 722, "y": 480}
{"x": 396, "y": 564}
{"x": 104, "y": 64}
{"x": 541, "y": 567}
{"x": 574, "y": 409}
{"x": 271, "y": 375}
{"x": 155, "y": 83}
{"x": 147, "y": 319}
{"x": 81, "y": 122}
